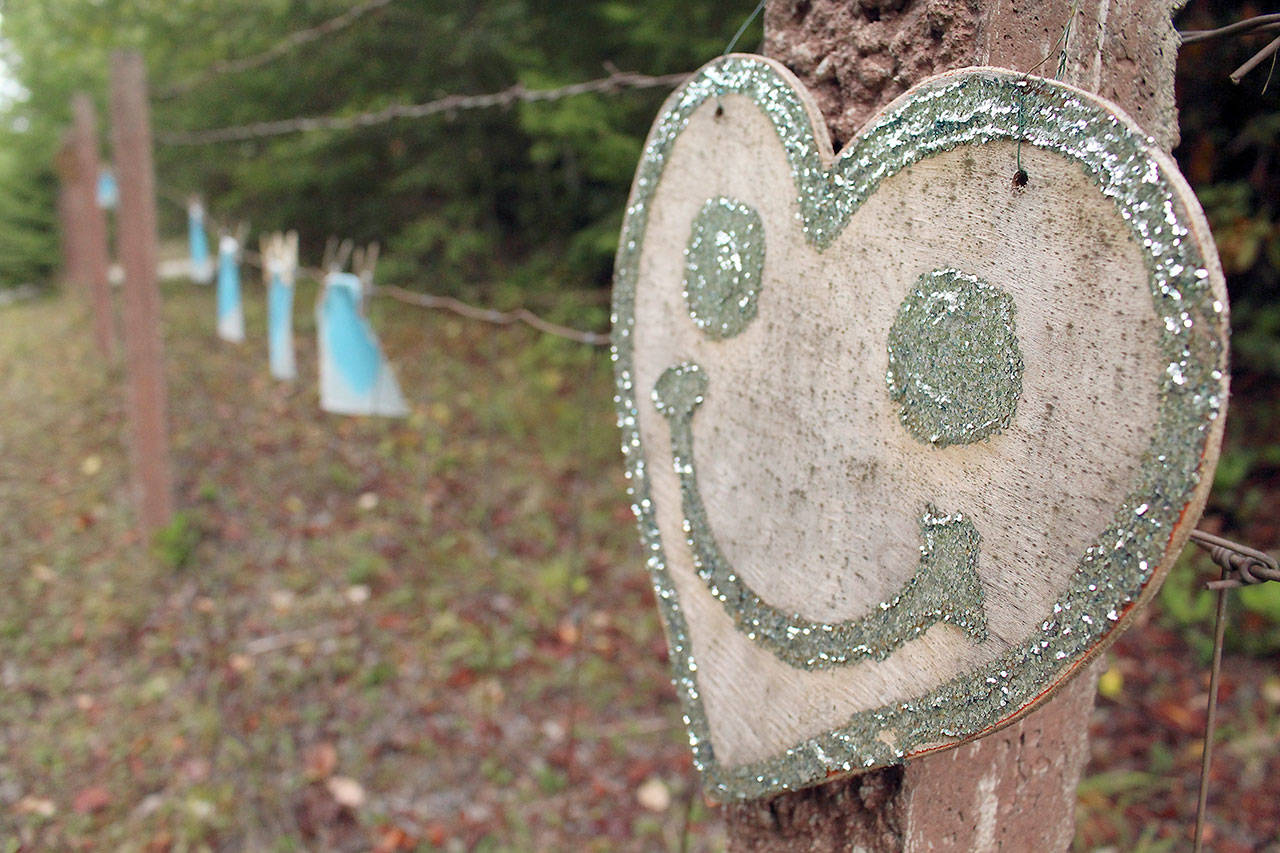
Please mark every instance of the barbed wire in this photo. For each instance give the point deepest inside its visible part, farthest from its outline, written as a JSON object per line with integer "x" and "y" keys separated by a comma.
{"x": 280, "y": 48}
{"x": 615, "y": 82}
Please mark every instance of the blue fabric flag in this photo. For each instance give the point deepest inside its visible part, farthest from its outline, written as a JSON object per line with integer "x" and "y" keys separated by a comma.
{"x": 280, "y": 326}
{"x": 355, "y": 378}
{"x": 201, "y": 263}
{"x": 230, "y": 309}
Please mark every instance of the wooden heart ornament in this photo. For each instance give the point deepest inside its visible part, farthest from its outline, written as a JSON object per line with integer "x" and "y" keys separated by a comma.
{"x": 908, "y": 441}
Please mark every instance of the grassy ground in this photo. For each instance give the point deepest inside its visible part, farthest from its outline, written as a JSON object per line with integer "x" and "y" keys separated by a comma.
{"x": 419, "y": 634}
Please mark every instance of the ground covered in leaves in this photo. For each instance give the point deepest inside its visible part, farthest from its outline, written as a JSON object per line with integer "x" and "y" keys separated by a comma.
{"x": 433, "y": 633}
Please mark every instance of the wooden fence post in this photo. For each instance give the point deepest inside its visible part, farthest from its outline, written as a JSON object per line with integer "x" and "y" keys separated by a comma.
{"x": 92, "y": 228}
{"x": 69, "y": 220}
{"x": 143, "y": 346}
{"x": 1014, "y": 790}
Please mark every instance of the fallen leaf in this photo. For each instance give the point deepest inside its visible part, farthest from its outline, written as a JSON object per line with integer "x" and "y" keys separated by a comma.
{"x": 393, "y": 838}
{"x": 320, "y": 760}
{"x": 654, "y": 795}
{"x": 346, "y": 791}
{"x": 35, "y": 805}
{"x": 567, "y": 632}
{"x": 1111, "y": 683}
{"x": 437, "y": 834}
{"x": 1271, "y": 690}
{"x": 161, "y": 842}
{"x": 92, "y": 799}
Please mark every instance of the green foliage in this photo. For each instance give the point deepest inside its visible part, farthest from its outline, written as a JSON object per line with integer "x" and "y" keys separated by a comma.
{"x": 458, "y": 200}
{"x": 1253, "y": 613}
{"x": 175, "y": 544}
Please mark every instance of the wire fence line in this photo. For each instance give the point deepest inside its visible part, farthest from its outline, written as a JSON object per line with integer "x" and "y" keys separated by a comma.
{"x": 514, "y": 317}
{"x": 616, "y": 81}
{"x": 489, "y": 315}
{"x": 280, "y": 48}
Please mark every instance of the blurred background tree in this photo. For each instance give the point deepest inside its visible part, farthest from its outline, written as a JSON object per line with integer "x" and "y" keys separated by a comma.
{"x": 524, "y": 204}
{"x": 503, "y": 203}
{"x": 519, "y": 200}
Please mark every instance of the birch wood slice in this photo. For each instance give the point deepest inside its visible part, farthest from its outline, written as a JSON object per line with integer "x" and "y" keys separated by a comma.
{"x": 909, "y": 439}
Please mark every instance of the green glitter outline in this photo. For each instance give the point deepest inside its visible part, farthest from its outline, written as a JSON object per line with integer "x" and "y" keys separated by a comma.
{"x": 959, "y": 109}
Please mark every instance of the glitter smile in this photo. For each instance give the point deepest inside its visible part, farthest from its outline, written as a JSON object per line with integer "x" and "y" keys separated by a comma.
{"x": 945, "y": 588}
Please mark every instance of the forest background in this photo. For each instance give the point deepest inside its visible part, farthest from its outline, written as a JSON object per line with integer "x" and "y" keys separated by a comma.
{"x": 501, "y": 207}
{"x": 522, "y": 201}
{"x": 522, "y": 205}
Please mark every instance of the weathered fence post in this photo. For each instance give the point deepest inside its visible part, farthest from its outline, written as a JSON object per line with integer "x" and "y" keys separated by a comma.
{"x": 92, "y": 227}
{"x": 143, "y": 345}
{"x": 69, "y": 221}
{"x": 1015, "y": 789}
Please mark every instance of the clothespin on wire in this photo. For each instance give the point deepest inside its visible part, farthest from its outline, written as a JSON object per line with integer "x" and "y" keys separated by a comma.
{"x": 336, "y": 255}
{"x": 363, "y": 264}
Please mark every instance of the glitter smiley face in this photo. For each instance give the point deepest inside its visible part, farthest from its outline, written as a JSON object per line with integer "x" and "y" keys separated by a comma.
{"x": 905, "y": 446}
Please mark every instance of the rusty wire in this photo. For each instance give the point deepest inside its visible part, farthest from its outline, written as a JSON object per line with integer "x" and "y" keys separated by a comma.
{"x": 1241, "y": 566}
{"x": 1264, "y": 23}
{"x": 617, "y": 81}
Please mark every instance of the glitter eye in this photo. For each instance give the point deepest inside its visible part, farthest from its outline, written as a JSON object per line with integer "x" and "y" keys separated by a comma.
{"x": 723, "y": 265}
{"x": 954, "y": 362}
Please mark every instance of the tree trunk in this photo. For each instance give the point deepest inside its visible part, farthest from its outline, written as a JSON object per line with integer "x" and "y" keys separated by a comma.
{"x": 1014, "y": 790}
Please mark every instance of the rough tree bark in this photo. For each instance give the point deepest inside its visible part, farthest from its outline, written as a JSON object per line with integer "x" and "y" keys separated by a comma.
{"x": 1014, "y": 790}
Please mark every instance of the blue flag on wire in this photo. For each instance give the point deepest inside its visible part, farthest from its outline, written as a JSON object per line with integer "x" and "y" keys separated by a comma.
{"x": 230, "y": 308}
{"x": 355, "y": 378}
{"x": 280, "y": 321}
{"x": 201, "y": 263}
